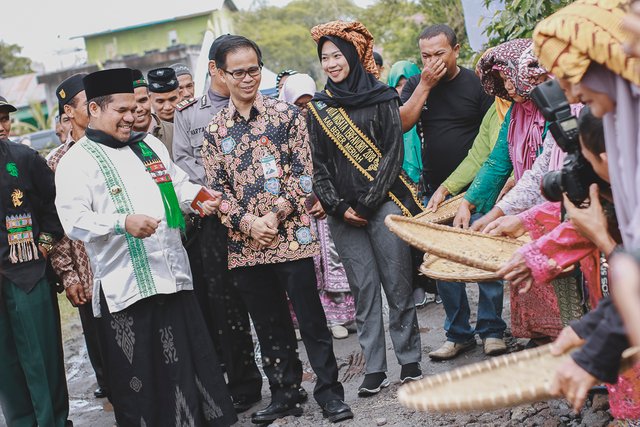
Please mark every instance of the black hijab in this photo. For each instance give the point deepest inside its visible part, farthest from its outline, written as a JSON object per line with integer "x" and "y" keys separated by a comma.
{"x": 360, "y": 88}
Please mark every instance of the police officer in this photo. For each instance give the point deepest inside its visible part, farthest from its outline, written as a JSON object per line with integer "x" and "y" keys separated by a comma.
{"x": 206, "y": 245}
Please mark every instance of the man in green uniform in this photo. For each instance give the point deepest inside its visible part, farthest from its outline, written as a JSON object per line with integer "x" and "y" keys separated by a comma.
{"x": 33, "y": 389}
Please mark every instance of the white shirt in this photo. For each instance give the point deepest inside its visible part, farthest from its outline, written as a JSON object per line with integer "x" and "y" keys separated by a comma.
{"x": 126, "y": 270}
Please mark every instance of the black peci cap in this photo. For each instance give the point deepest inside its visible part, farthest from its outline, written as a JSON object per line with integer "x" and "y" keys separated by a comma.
{"x": 108, "y": 82}
{"x": 68, "y": 89}
{"x": 162, "y": 80}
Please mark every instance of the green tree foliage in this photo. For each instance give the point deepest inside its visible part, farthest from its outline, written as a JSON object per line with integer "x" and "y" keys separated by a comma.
{"x": 11, "y": 63}
{"x": 395, "y": 25}
{"x": 283, "y": 32}
{"x": 449, "y": 12}
{"x": 519, "y": 18}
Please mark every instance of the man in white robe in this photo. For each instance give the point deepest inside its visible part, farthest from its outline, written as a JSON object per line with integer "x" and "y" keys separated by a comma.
{"x": 120, "y": 193}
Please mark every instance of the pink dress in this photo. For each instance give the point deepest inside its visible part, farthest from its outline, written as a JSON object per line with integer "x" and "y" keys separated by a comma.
{"x": 557, "y": 246}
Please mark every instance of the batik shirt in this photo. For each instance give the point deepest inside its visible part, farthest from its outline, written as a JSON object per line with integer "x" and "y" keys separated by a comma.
{"x": 68, "y": 257}
{"x": 259, "y": 164}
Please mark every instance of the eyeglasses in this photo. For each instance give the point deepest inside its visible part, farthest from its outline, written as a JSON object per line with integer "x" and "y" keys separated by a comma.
{"x": 241, "y": 74}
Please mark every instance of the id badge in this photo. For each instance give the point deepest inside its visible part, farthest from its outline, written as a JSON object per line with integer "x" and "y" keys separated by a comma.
{"x": 269, "y": 167}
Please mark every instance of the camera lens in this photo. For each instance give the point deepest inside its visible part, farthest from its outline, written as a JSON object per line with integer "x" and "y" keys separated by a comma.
{"x": 551, "y": 186}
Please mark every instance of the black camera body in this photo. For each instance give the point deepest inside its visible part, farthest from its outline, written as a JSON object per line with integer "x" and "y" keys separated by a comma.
{"x": 576, "y": 175}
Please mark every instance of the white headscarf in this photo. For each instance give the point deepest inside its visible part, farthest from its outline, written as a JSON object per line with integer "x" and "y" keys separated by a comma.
{"x": 297, "y": 85}
{"x": 622, "y": 140}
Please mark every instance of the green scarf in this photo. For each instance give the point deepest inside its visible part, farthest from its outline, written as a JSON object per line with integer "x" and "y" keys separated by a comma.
{"x": 159, "y": 173}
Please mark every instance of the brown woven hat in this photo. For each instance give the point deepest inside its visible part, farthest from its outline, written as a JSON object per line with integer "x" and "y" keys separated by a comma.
{"x": 503, "y": 381}
{"x": 450, "y": 271}
{"x": 445, "y": 212}
{"x": 466, "y": 247}
{"x": 355, "y": 33}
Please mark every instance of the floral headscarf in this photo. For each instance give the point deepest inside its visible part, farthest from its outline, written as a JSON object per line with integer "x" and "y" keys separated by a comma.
{"x": 517, "y": 61}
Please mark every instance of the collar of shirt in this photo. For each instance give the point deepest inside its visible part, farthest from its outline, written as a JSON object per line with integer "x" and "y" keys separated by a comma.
{"x": 256, "y": 109}
{"x": 70, "y": 140}
{"x": 214, "y": 99}
{"x": 155, "y": 123}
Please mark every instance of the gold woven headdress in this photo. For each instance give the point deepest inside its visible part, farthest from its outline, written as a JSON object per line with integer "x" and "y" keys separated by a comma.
{"x": 353, "y": 32}
{"x": 585, "y": 31}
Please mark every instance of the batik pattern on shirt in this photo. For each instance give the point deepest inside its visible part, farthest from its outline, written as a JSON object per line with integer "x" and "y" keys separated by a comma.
{"x": 68, "y": 257}
{"x": 258, "y": 164}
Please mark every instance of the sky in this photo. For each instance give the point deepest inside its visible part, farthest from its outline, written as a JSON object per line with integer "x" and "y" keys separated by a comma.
{"x": 44, "y": 28}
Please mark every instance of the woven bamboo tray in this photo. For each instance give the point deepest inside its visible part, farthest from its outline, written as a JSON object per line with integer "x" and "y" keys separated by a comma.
{"x": 450, "y": 271}
{"x": 445, "y": 212}
{"x": 503, "y": 381}
{"x": 466, "y": 247}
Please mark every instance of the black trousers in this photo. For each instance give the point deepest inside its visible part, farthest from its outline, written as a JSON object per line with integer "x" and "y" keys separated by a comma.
{"x": 224, "y": 311}
{"x": 263, "y": 290}
{"x": 91, "y": 338}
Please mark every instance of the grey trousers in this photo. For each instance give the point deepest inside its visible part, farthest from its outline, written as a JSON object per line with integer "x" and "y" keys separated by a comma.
{"x": 372, "y": 255}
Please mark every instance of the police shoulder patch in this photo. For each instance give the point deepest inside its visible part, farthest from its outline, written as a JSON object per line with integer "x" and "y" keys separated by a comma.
{"x": 186, "y": 103}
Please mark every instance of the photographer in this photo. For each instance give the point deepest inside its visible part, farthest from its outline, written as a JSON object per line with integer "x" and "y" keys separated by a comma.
{"x": 556, "y": 247}
{"x": 583, "y": 238}
{"x": 581, "y": 43}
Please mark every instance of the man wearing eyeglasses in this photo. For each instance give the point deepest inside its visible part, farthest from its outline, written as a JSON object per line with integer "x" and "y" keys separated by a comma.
{"x": 256, "y": 152}
{"x": 223, "y": 309}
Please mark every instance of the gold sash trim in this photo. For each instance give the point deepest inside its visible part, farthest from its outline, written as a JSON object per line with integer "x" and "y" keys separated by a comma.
{"x": 363, "y": 154}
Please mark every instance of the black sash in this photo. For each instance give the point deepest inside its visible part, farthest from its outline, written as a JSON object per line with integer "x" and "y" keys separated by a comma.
{"x": 363, "y": 154}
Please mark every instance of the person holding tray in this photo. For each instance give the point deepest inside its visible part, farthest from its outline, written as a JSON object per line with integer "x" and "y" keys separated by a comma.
{"x": 357, "y": 145}
{"x": 511, "y": 71}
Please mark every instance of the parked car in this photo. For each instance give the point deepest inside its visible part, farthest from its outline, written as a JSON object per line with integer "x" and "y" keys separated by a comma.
{"x": 44, "y": 140}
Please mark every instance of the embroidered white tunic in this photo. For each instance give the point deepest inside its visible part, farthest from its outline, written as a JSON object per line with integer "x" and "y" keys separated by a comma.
{"x": 97, "y": 187}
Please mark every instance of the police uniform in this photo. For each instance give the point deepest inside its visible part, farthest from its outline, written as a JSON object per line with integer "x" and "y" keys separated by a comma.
{"x": 224, "y": 311}
{"x": 191, "y": 119}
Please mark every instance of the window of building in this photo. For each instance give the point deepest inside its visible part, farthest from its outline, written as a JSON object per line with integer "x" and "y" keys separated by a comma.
{"x": 173, "y": 38}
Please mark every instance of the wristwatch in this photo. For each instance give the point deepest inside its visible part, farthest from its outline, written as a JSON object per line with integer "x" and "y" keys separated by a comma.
{"x": 279, "y": 213}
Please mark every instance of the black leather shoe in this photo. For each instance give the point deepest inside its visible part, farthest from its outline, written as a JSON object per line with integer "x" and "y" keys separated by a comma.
{"x": 100, "y": 393}
{"x": 243, "y": 403}
{"x": 336, "y": 410}
{"x": 276, "y": 410}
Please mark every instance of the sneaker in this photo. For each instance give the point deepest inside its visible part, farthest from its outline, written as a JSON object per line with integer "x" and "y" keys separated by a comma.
{"x": 438, "y": 299}
{"x": 419, "y": 297}
{"x": 410, "y": 372}
{"x": 339, "y": 332}
{"x": 494, "y": 346}
{"x": 372, "y": 384}
{"x": 451, "y": 349}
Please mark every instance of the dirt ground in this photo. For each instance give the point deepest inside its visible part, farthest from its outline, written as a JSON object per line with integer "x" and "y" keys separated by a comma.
{"x": 380, "y": 410}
